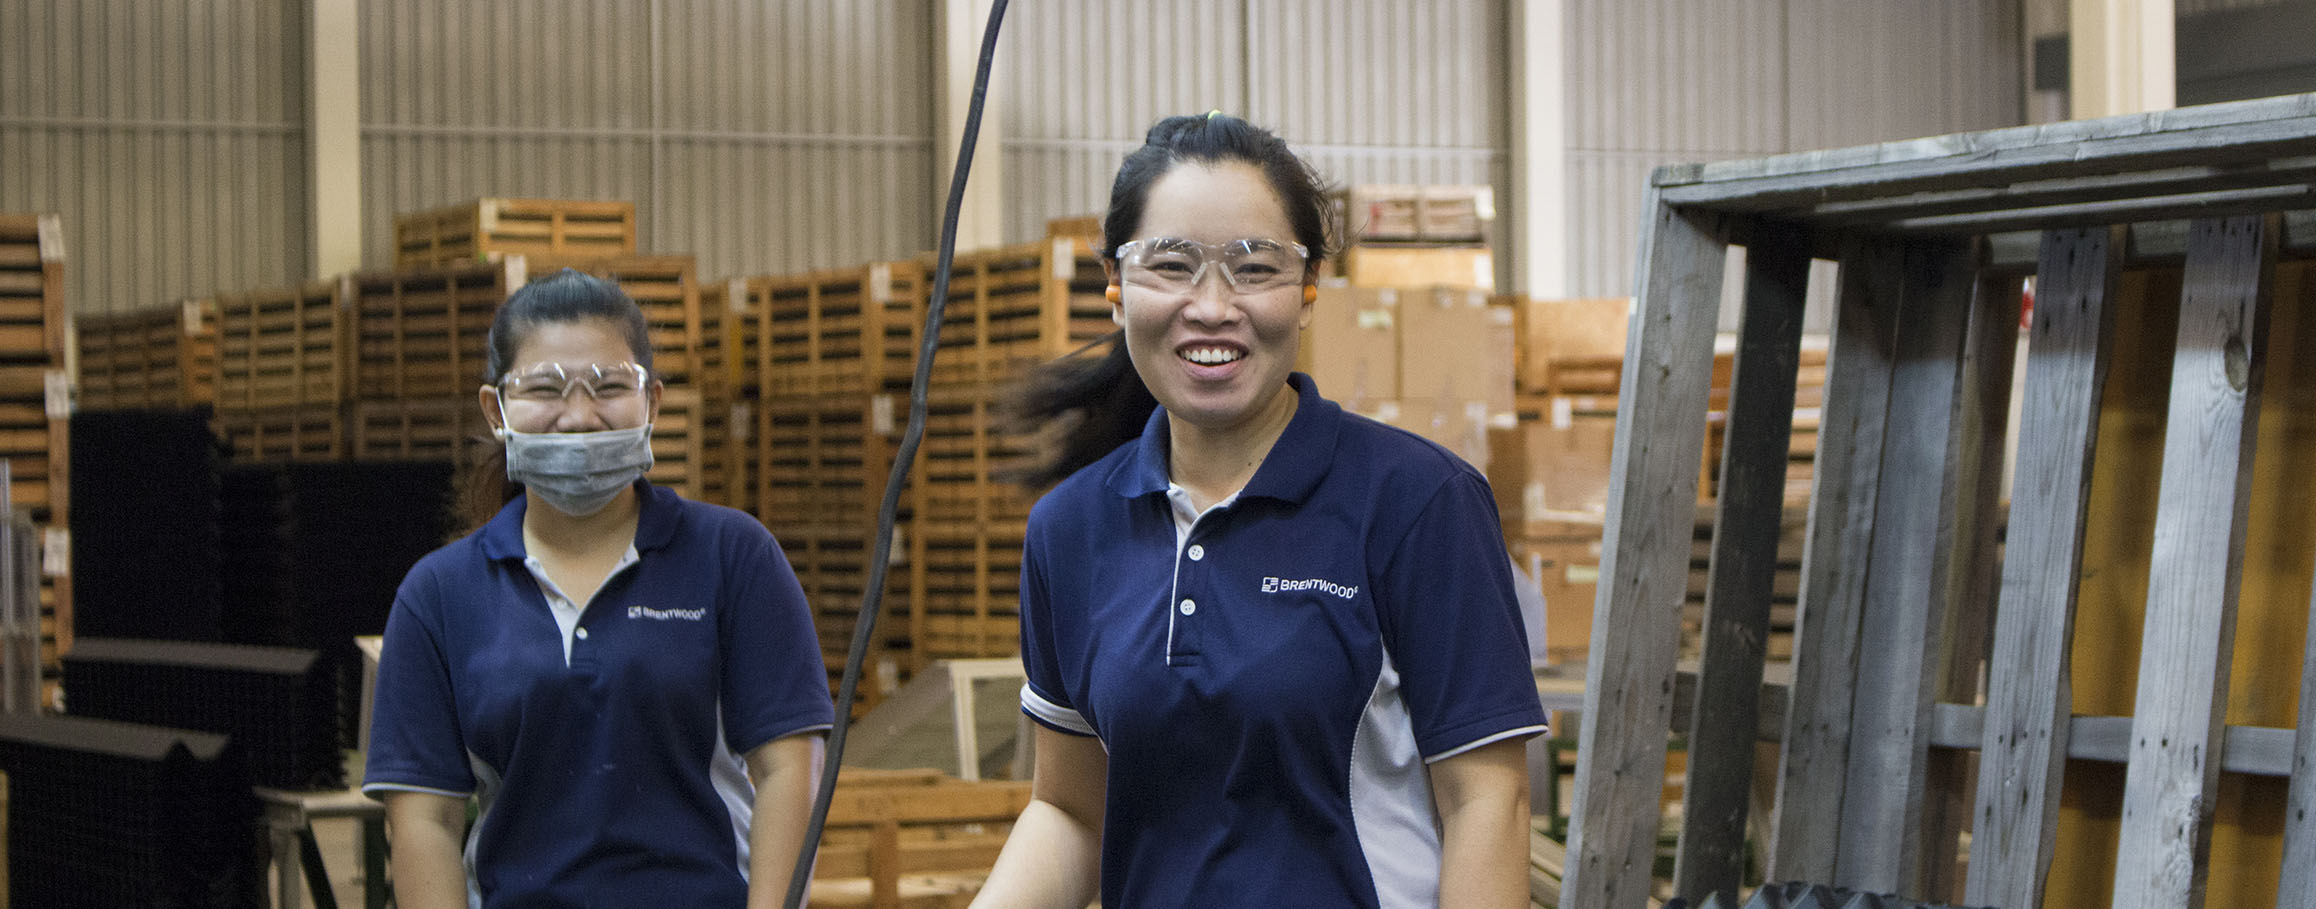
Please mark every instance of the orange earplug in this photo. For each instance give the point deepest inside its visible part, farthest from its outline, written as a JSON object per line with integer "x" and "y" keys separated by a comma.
{"x": 1110, "y": 293}
{"x": 1310, "y": 293}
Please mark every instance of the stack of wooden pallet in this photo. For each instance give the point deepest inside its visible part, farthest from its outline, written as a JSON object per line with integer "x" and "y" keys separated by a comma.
{"x": 486, "y": 229}
{"x": 1009, "y": 310}
{"x": 419, "y": 345}
{"x": 35, "y": 399}
{"x": 162, "y": 357}
{"x": 826, "y": 357}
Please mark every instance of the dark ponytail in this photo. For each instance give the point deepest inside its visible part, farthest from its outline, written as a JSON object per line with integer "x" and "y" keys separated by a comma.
{"x": 1084, "y": 406}
{"x": 569, "y": 295}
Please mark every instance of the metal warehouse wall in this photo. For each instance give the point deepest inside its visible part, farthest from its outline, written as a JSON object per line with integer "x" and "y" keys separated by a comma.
{"x": 1371, "y": 91}
{"x": 1660, "y": 81}
{"x": 155, "y": 128}
{"x": 760, "y": 135}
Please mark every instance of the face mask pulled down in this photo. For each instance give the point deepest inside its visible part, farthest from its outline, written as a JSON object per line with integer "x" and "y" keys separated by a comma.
{"x": 577, "y": 473}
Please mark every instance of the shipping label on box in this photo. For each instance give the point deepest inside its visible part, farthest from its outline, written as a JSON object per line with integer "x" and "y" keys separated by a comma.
{"x": 1352, "y": 346}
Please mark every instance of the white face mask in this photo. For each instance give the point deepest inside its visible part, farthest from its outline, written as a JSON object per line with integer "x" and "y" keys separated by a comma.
{"x": 577, "y": 473}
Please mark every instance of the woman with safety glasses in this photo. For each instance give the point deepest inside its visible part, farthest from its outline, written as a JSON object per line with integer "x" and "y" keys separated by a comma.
{"x": 626, "y": 684}
{"x": 1272, "y": 647}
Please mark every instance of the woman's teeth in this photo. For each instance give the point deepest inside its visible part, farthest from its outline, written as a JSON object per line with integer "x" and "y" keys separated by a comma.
{"x": 1210, "y": 356}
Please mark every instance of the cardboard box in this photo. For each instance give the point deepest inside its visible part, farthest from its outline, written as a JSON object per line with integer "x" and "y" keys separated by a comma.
{"x": 1352, "y": 347}
{"x": 1454, "y": 346}
{"x": 1552, "y": 470}
{"x": 1460, "y": 426}
{"x": 1584, "y": 329}
{"x": 1419, "y": 266}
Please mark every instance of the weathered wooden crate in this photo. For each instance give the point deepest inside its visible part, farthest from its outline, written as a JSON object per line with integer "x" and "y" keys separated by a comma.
{"x": 737, "y": 336}
{"x": 965, "y": 592}
{"x": 824, "y": 459}
{"x": 1917, "y": 591}
{"x": 840, "y": 331}
{"x": 424, "y": 333}
{"x": 691, "y": 446}
{"x": 831, "y": 561}
{"x": 477, "y": 231}
{"x": 1012, "y": 308}
{"x": 156, "y": 357}
{"x": 668, "y": 290}
{"x": 963, "y": 460}
{"x": 283, "y": 347}
{"x": 294, "y": 432}
{"x": 36, "y": 403}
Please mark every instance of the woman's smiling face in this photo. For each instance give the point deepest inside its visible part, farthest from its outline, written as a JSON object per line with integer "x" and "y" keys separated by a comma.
{"x": 1213, "y": 356}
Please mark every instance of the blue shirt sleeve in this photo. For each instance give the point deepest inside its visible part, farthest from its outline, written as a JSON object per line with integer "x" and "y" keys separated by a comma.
{"x": 775, "y": 683}
{"x": 1452, "y": 625}
{"x": 1043, "y": 696}
{"x": 415, "y": 740}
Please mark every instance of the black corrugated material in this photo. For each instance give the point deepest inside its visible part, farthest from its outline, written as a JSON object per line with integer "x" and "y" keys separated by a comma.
{"x": 279, "y": 704}
{"x": 144, "y": 525}
{"x": 118, "y": 814}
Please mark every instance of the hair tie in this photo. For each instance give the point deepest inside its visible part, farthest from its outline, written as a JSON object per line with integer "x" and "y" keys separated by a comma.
{"x": 1213, "y": 113}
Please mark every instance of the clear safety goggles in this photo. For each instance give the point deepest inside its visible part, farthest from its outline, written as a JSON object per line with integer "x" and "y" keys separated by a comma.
{"x": 553, "y": 383}
{"x": 1176, "y": 265}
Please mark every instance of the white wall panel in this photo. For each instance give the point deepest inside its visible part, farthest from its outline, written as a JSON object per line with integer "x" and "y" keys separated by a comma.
{"x": 165, "y": 134}
{"x": 758, "y": 136}
{"x": 1664, "y": 81}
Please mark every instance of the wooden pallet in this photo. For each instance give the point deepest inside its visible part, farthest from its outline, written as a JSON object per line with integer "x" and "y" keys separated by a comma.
{"x": 417, "y": 429}
{"x": 691, "y": 446}
{"x": 297, "y": 432}
{"x": 831, "y": 562}
{"x": 424, "y": 333}
{"x": 667, "y": 289}
{"x": 735, "y": 337}
{"x": 840, "y": 331}
{"x": 910, "y": 842}
{"x": 2160, "y": 245}
{"x": 822, "y": 458}
{"x": 1012, "y": 308}
{"x": 282, "y": 347}
{"x": 157, "y": 357}
{"x": 477, "y": 231}
{"x": 965, "y": 593}
{"x": 963, "y": 457}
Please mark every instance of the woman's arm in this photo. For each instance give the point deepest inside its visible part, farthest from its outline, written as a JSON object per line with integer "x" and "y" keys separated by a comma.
{"x": 786, "y": 772}
{"x": 1054, "y": 855}
{"x": 1482, "y": 796}
{"x": 428, "y": 831}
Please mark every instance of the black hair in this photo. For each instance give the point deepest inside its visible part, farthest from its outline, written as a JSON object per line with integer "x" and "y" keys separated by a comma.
{"x": 568, "y": 295}
{"x": 1100, "y": 401}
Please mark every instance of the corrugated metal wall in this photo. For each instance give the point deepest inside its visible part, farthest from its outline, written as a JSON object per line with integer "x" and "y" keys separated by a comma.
{"x": 1371, "y": 91}
{"x": 759, "y": 136}
{"x": 1662, "y": 81}
{"x": 169, "y": 137}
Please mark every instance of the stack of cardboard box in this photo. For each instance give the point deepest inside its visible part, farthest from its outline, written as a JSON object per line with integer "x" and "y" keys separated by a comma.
{"x": 1436, "y": 361}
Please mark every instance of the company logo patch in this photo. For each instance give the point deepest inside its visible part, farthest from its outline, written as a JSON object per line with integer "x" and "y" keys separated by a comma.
{"x": 662, "y": 615}
{"x": 1285, "y": 585}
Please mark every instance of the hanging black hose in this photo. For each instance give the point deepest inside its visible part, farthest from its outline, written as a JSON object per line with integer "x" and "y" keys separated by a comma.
{"x": 872, "y": 599}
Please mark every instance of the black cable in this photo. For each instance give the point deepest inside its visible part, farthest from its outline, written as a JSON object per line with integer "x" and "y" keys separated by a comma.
{"x": 873, "y": 597}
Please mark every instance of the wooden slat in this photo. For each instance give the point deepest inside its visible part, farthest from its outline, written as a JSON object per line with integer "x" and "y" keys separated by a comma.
{"x": 2197, "y": 565}
{"x": 1743, "y": 566}
{"x": 2298, "y": 891}
{"x": 2029, "y": 685}
{"x": 1806, "y": 834}
{"x": 1881, "y": 804}
{"x": 1963, "y": 601}
{"x": 1636, "y": 629}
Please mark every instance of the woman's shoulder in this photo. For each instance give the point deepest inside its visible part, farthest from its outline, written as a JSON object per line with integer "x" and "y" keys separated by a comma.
{"x": 1393, "y": 453}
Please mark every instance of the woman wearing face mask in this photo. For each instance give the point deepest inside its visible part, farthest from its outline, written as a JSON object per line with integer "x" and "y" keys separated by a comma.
{"x": 626, "y": 684}
{"x": 1272, "y": 647}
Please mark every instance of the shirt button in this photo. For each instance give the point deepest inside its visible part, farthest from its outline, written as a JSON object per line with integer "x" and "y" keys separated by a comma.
{"x": 580, "y": 634}
{"x": 1197, "y": 552}
{"x": 1189, "y": 607}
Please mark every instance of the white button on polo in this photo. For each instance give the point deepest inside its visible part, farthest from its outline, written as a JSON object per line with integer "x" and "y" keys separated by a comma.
{"x": 580, "y": 634}
{"x": 1197, "y": 552}
{"x": 1189, "y": 606}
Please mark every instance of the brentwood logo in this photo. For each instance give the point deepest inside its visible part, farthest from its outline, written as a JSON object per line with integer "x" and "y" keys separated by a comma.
{"x": 646, "y": 612}
{"x": 1278, "y": 585}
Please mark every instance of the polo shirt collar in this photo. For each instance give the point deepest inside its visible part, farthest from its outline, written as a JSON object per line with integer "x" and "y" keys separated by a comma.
{"x": 502, "y": 538}
{"x": 1309, "y": 438}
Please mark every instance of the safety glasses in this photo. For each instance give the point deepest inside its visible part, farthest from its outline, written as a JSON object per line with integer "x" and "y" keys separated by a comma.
{"x": 1176, "y": 265}
{"x": 553, "y": 383}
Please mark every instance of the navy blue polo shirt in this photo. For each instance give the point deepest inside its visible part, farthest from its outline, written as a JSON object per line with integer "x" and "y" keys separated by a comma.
{"x": 611, "y": 773}
{"x": 1271, "y": 685}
